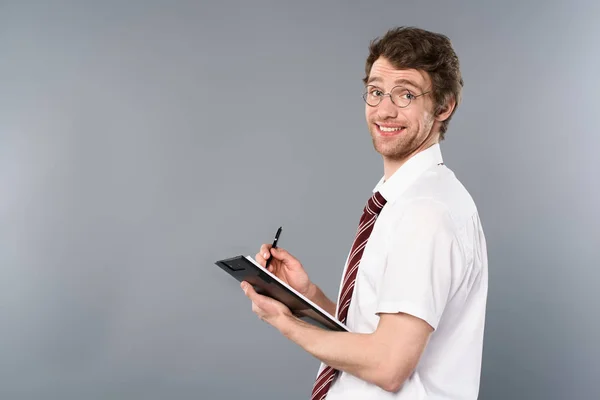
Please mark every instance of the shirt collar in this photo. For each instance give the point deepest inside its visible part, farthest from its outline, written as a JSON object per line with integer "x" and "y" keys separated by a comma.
{"x": 409, "y": 172}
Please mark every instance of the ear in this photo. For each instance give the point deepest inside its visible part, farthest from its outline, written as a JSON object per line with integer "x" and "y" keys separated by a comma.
{"x": 445, "y": 110}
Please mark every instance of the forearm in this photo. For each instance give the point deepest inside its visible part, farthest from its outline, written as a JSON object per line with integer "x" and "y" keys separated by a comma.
{"x": 317, "y": 296}
{"x": 358, "y": 354}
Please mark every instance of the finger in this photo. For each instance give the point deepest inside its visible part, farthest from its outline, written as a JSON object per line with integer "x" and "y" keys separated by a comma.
{"x": 260, "y": 259}
{"x": 264, "y": 251}
{"x": 257, "y": 299}
{"x": 250, "y": 292}
{"x": 256, "y": 310}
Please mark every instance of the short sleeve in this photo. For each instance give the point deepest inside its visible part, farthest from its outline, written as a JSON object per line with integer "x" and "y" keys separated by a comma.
{"x": 422, "y": 256}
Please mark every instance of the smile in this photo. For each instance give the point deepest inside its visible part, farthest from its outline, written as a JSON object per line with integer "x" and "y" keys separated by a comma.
{"x": 389, "y": 130}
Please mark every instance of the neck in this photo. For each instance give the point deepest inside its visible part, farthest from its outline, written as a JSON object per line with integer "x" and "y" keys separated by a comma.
{"x": 391, "y": 165}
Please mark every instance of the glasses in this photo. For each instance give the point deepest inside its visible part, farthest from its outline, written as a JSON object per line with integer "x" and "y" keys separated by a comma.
{"x": 399, "y": 95}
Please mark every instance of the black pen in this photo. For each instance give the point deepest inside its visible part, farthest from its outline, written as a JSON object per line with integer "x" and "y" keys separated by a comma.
{"x": 273, "y": 246}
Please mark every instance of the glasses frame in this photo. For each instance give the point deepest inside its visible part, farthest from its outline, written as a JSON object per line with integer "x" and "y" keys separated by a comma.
{"x": 364, "y": 96}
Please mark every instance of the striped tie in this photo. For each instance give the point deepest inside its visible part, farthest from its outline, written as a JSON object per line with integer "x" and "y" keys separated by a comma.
{"x": 367, "y": 221}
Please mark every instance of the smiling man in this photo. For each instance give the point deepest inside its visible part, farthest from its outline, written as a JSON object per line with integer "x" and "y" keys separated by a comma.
{"x": 414, "y": 287}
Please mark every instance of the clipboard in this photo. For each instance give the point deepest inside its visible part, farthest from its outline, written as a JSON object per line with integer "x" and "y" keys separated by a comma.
{"x": 245, "y": 268}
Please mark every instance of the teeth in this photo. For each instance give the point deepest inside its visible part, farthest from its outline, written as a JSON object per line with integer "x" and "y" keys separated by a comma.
{"x": 384, "y": 129}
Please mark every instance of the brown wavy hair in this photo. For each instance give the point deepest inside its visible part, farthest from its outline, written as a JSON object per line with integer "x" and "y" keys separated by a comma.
{"x": 415, "y": 48}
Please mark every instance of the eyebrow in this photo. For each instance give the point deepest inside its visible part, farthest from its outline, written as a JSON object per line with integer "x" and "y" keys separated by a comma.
{"x": 400, "y": 81}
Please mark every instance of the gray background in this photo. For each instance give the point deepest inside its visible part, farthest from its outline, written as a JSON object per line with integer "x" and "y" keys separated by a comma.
{"x": 142, "y": 141}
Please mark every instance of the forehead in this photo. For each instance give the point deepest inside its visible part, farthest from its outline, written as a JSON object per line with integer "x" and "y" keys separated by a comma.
{"x": 383, "y": 73}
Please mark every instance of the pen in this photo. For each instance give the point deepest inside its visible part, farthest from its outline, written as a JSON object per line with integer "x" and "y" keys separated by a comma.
{"x": 273, "y": 246}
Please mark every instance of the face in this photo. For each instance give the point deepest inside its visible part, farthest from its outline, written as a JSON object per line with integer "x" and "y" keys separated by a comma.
{"x": 398, "y": 133}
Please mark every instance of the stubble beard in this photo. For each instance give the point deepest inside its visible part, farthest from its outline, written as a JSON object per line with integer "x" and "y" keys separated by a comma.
{"x": 394, "y": 148}
{"x": 402, "y": 146}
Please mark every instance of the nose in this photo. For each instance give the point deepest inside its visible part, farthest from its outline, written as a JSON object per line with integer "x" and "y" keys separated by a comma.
{"x": 387, "y": 109}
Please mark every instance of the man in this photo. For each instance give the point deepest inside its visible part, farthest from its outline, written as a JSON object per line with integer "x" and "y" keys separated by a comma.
{"x": 414, "y": 287}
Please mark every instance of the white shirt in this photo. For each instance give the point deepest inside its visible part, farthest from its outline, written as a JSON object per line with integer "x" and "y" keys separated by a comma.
{"x": 426, "y": 257}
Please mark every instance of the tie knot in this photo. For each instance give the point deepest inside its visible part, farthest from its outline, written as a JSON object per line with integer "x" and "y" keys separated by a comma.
{"x": 375, "y": 204}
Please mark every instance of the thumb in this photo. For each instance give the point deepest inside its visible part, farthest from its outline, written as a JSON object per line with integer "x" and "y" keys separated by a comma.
{"x": 281, "y": 254}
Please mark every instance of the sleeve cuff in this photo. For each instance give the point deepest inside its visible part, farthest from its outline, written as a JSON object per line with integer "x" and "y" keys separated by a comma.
{"x": 411, "y": 309}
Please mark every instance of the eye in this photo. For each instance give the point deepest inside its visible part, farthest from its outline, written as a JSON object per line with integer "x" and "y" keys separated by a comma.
{"x": 375, "y": 92}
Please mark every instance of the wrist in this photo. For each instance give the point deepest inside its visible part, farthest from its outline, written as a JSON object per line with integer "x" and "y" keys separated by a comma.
{"x": 287, "y": 325}
{"x": 312, "y": 292}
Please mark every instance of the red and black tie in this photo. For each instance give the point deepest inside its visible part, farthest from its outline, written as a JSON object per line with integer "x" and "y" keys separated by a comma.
{"x": 365, "y": 227}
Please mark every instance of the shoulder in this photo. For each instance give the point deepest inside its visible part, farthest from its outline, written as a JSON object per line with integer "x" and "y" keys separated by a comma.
{"x": 421, "y": 216}
{"x": 437, "y": 197}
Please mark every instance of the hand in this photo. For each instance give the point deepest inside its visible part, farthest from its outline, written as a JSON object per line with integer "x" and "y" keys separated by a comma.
{"x": 267, "y": 309}
{"x": 286, "y": 267}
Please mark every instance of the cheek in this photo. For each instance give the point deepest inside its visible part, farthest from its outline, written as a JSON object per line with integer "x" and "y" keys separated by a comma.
{"x": 426, "y": 116}
{"x": 369, "y": 112}
{"x": 419, "y": 119}
{"x": 428, "y": 119}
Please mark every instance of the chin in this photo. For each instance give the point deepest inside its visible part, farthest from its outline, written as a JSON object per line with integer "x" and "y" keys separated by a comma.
{"x": 388, "y": 151}
{"x": 392, "y": 149}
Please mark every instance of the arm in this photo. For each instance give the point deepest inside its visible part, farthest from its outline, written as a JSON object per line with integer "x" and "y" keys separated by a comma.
{"x": 385, "y": 357}
{"x": 316, "y": 295}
